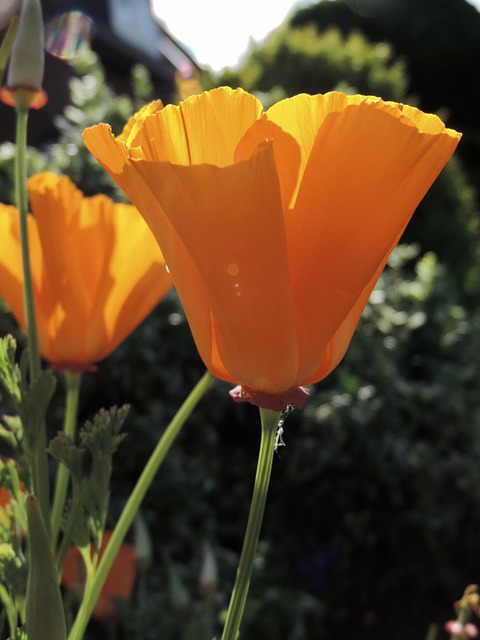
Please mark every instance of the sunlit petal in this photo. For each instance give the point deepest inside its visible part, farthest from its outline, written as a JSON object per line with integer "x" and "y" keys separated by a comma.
{"x": 374, "y": 168}
{"x": 236, "y": 273}
{"x": 97, "y": 270}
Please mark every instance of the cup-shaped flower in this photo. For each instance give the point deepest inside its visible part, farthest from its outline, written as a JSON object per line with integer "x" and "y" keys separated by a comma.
{"x": 97, "y": 271}
{"x": 275, "y": 225}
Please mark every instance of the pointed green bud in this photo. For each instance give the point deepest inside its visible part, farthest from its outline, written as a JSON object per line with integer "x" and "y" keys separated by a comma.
{"x": 44, "y": 608}
{"x": 27, "y": 61}
{"x": 7, "y": 44}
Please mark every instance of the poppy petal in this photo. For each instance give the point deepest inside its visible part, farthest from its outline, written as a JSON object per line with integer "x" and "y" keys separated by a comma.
{"x": 241, "y": 255}
{"x": 285, "y": 149}
{"x": 375, "y": 167}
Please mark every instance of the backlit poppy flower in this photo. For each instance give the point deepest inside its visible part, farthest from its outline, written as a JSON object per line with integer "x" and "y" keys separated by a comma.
{"x": 118, "y": 586}
{"x": 276, "y": 225}
{"x": 97, "y": 271}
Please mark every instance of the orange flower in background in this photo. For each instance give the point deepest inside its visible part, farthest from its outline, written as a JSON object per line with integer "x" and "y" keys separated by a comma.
{"x": 6, "y": 498}
{"x": 276, "y": 225}
{"x": 97, "y": 271}
{"x": 118, "y": 586}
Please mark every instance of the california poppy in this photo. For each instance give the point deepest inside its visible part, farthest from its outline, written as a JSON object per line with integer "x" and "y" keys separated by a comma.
{"x": 97, "y": 270}
{"x": 275, "y": 225}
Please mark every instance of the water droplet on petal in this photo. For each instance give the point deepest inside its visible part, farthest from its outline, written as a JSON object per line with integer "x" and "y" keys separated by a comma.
{"x": 67, "y": 34}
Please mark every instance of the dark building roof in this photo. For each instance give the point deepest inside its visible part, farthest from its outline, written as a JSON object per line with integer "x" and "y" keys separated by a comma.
{"x": 128, "y": 32}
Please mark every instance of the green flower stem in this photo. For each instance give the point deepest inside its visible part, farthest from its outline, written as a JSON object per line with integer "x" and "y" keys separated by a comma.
{"x": 463, "y": 616}
{"x": 67, "y": 536}
{"x": 39, "y": 454}
{"x": 72, "y": 381}
{"x": 432, "y": 632}
{"x": 262, "y": 480}
{"x": 21, "y": 195}
{"x": 93, "y": 590}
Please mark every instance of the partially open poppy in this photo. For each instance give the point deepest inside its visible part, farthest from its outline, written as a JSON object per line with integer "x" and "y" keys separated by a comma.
{"x": 276, "y": 225}
{"x": 97, "y": 271}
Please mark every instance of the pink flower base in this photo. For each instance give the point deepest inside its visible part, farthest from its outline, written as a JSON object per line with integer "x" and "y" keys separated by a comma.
{"x": 456, "y": 628}
{"x": 275, "y": 402}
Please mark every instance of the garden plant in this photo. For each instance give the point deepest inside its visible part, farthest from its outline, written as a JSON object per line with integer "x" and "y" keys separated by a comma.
{"x": 267, "y": 232}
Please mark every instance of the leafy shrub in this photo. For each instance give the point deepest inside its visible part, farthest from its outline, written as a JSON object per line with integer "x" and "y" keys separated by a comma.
{"x": 300, "y": 60}
{"x": 375, "y": 498}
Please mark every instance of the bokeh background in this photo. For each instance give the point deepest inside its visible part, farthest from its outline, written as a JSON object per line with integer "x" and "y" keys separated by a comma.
{"x": 372, "y": 528}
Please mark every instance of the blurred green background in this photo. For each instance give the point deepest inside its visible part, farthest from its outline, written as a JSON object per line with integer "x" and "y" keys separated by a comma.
{"x": 372, "y": 529}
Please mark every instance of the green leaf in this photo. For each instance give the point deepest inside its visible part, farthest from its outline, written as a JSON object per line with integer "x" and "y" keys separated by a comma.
{"x": 34, "y": 400}
{"x": 11, "y": 433}
{"x": 90, "y": 464}
{"x": 44, "y": 607}
{"x": 9, "y": 370}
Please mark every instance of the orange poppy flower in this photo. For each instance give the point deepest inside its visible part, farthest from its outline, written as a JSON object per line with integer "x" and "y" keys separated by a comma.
{"x": 118, "y": 586}
{"x": 97, "y": 270}
{"x": 276, "y": 225}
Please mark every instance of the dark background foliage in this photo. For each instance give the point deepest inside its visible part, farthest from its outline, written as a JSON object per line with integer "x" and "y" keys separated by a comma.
{"x": 371, "y": 529}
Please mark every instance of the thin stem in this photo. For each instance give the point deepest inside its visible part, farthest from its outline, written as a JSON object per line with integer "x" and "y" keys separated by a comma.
{"x": 262, "y": 480}
{"x": 39, "y": 453}
{"x": 463, "y": 617}
{"x": 67, "y": 535}
{"x": 72, "y": 382}
{"x": 93, "y": 590}
{"x": 21, "y": 195}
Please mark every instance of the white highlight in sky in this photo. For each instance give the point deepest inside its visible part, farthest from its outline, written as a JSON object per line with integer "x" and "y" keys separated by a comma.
{"x": 218, "y": 32}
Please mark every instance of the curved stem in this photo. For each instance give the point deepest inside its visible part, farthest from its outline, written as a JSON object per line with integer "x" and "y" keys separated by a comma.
{"x": 262, "y": 480}
{"x": 72, "y": 382}
{"x": 130, "y": 510}
{"x": 38, "y": 455}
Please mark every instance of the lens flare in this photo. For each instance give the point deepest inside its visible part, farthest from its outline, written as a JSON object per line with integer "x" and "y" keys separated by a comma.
{"x": 67, "y": 34}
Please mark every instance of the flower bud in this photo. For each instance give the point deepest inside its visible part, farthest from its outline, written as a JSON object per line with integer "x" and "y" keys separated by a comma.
{"x": 44, "y": 608}
{"x": 25, "y": 71}
{"x": 142, "y": 543}
{"x": 7, "y": 43}
{"x": 208, "y": 581}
